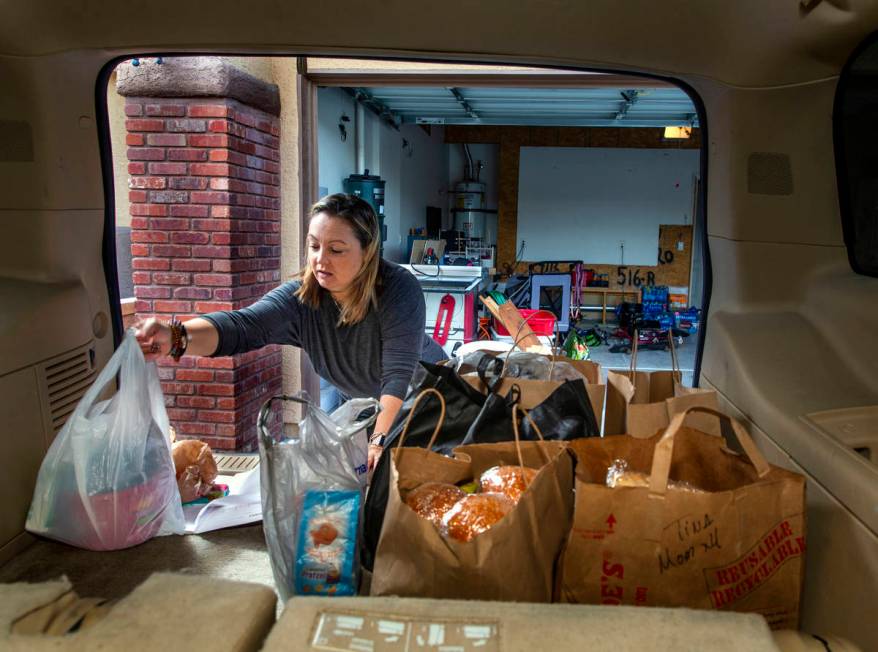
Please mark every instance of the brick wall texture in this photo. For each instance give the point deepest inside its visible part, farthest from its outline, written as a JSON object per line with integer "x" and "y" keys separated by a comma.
{"x": 204, "y": 191}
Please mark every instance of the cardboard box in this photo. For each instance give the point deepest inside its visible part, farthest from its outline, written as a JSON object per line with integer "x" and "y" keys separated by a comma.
{"x": 410, "y": 624}
{"x": 420, "y": 247}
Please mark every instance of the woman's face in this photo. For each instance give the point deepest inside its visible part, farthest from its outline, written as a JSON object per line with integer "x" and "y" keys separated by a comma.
{"x": 334, "y": 253}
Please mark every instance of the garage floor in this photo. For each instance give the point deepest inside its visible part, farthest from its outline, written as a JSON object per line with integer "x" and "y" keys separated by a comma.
{"x": 648, "y": 360}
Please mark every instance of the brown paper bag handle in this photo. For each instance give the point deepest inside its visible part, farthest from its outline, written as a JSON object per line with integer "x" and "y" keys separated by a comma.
{"x": 675, "y": 365}
{"x": 664, "y": 449}
{"x": 408, "y": 419}
{"x": 515, "y": 410}
{"x": 632, "y": 365}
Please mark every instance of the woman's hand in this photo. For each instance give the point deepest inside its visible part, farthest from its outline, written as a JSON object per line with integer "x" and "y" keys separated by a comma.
{"x": 390, "y": 406}
{"x": 154, "y": 337}
{"x": 374, "y": 456}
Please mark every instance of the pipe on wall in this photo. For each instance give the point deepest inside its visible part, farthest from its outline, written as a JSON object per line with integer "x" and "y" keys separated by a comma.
{"x": 360, "y": 137}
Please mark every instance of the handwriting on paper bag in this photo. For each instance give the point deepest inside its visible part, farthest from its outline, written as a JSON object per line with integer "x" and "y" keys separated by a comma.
{"x": 699, "y": 533}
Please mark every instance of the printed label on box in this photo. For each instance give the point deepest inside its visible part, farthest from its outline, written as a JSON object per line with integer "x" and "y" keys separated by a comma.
{"x": 339, "y": 631}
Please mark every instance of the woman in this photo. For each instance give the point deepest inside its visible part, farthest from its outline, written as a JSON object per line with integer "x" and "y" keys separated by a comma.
{"x": 360, "y": 318}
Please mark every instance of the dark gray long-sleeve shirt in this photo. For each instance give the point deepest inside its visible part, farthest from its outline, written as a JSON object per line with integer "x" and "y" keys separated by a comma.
{"x": 373, "y": 357}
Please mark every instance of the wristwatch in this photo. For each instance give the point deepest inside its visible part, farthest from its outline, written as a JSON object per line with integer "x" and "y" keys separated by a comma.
{"x": 377, "y": 439}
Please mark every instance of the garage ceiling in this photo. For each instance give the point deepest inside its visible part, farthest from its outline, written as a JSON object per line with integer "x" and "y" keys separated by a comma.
{"x": 462, "y": 94}
{"x": 568, "y": 106}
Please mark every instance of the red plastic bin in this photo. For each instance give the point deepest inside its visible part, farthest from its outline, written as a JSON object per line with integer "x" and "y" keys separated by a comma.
{"x": 541, "y": 324}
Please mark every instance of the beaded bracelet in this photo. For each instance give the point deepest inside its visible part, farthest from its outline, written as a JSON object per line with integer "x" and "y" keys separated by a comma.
{"x": 179, "y": 340}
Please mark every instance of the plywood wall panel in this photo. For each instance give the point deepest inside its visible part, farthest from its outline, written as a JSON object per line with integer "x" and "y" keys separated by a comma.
{"x": 512, "y": 138}
{"x": 675, "y": 271}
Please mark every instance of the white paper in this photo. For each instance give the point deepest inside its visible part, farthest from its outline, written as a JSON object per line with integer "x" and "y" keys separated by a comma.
{"x": 242, "y": 506}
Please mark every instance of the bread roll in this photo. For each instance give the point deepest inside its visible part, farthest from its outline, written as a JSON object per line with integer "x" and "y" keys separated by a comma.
{"x": 474, "y": 514}
{"x": 433, "y": 499}
{"x": 511, "y": 481}
{"x": 195, "y": 467}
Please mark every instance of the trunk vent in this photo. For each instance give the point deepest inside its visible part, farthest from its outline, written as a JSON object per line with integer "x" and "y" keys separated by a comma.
{"x": 67, "y": 378}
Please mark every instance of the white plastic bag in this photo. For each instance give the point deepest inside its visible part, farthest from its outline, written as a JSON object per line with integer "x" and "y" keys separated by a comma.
{"x": 312, "y": 491}
{"x": 108, "y": 480}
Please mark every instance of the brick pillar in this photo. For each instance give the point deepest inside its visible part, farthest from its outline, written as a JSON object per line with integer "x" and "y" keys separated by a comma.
{"x": 205, "y": 235}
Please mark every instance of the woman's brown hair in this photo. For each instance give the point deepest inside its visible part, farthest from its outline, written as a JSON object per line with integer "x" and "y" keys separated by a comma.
{"x": 362, "y": 220}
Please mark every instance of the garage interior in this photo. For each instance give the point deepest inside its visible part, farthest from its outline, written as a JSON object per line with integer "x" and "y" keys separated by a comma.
{"x": 533, "y": 175}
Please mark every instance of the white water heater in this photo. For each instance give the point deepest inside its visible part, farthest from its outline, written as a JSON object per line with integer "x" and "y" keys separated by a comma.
{"x": 469, "y": 212}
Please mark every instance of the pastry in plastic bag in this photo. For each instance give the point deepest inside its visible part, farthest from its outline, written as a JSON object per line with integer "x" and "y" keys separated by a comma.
{"x": 474, "y": 514}
{"x": 618, "y": 475}
{"x": 433, "y": 499}
{"x": 511, "y": 481}
{"x": 327, "y": 544}
{"x": 195, "y": 467}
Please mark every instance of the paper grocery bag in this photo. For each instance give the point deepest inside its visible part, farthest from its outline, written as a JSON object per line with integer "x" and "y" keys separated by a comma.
{"x": 472, "y": 418}
{"x": 695, "y": 525}
{"x": 514, "y": 560}
{"x": 641, "y": 403}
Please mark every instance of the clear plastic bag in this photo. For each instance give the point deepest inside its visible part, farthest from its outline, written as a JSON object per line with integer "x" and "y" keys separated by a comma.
{"x": 517, "y": 364}
{"x": 469, "y": 362}
{"x": 312, "y": 490}
{"x": 566, "y": 371}
{"x": 531, "y": 366}
{"x": 108, "y": 480}
{"x": 619, "y": 475}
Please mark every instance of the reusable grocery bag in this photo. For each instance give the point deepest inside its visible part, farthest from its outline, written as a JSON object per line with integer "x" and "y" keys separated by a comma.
{"x": 640, "y": 403}
{"x": 312, "y": 489}
{"x": 108, "y": 480}
{"x": 513, "y": 560}
{"x": 693, "y": 525}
